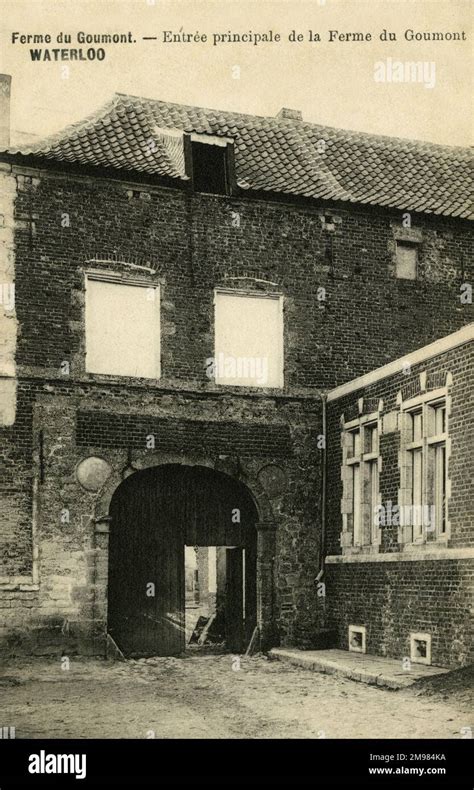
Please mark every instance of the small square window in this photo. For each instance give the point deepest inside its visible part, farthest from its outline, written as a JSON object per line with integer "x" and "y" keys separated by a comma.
{"x": 406, "y": 261}
{"x": 420, "y": 648}
{"x": 357, "y": 636}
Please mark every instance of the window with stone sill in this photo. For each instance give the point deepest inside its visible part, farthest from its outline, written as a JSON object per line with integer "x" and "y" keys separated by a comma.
{"x": 423, "y": 496}
{"x": 360, "y": 475}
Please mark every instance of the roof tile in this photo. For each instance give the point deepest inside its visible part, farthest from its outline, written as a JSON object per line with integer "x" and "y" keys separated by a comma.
{"x": 273, "y": 154}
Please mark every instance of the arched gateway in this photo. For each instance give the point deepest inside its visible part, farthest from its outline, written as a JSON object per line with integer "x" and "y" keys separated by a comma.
{"x": 155, "y": 513}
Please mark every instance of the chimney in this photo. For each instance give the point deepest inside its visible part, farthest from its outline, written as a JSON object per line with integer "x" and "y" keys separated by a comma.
{"x": 290, "y": 115}
{"x": 5, "y": 91}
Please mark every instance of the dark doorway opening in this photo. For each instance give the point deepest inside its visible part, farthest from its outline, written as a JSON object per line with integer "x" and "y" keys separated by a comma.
{"x": 220, "y": 598}
{"x": 155, "y": 514}
{"x": 210, "y": 168}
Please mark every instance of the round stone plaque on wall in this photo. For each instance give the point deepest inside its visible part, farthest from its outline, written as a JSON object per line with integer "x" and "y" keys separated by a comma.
{"x": 92, "y": 473}
{"x": 273, "y": 480}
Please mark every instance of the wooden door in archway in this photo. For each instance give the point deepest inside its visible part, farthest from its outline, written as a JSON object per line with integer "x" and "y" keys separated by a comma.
{"x": 154, "y": 514}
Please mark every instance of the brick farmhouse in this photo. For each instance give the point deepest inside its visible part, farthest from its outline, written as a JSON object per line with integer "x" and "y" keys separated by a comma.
{"x": 241, "y": 331}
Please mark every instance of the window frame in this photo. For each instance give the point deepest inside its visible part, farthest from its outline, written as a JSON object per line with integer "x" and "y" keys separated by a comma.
{"x": 364, "y": 534}
{"x": 280, "y": 352}
{"x": 432, "y": 490}
{"x": 117, "y": 278}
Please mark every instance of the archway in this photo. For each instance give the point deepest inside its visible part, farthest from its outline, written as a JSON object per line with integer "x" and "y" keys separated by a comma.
{"x": 155, "y": 513}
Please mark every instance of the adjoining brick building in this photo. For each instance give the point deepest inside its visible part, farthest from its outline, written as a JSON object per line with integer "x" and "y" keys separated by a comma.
{"x": 400, "y": 514}
{"x": 189, "y": 285}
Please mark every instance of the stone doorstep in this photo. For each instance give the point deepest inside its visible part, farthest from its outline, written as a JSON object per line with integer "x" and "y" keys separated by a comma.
{"x": 375, "y": 670}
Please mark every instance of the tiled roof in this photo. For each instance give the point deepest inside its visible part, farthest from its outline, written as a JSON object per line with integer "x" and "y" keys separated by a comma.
{"x": 272, "y": 154}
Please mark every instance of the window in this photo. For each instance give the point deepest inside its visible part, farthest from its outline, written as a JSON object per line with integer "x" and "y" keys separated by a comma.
{"x": 420, "y": 648}
{"x": 416, "y": 468}
{"x": 248, "y": 340}
{"x": 426, "y": 471}
{"x": 406, "y": 260}
{"x": 361, "y": 493}
{"x": 210, "y": 168}
{"x": 122, "y": 328}
{"x": 357, "y": 638}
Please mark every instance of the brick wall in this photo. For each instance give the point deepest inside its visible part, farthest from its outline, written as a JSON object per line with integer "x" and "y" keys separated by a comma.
{"x": 191, "y": 244}
{"x": 394, "y": 599}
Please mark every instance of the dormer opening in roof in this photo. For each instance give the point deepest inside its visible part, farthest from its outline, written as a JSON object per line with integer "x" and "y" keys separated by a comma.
{"x": 210, "y": 163}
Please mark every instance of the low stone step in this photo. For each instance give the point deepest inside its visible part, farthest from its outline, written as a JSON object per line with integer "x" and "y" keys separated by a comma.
{"x": 375, "y": 670}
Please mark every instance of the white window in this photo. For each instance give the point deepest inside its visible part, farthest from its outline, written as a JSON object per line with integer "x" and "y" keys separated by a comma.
{"x": 425, "y": 467}
{"x": 361, "y": 482}
{"x": 248, "y": 340}
{"x": 122, "y": 328}
{"x": 406, "y": 260}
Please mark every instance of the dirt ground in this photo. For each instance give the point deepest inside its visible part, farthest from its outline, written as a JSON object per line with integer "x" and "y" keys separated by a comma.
{"x": 208, "y": 696}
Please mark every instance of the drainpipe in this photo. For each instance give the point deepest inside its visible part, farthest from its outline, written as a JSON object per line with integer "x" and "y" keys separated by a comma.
{"x": 323, "y": 487}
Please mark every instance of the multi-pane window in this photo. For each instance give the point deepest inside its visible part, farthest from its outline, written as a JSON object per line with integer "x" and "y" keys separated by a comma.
{"x": 415, "y": 454}
{"x": 361, "y": 460}
{"x": 122, "y": 328}
{"x": 248, "y": 340}
{"x": 437, "y": 467}
{"x": 427, "y": 470}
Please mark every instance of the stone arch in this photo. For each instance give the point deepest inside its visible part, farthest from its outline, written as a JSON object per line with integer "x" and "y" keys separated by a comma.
{"x": 265, "y": 526}
{"x": 148, "y": 460}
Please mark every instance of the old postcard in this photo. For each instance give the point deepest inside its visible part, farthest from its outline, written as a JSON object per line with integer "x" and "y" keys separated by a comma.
{"x": 236, "y": 376}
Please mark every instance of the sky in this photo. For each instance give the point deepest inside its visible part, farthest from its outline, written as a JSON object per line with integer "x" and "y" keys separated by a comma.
{"x": 332, "y": 83}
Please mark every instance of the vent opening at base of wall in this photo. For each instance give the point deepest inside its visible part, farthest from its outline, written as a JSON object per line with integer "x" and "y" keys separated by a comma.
{"x": 420, "y": 648}
{"x": 357, "y": 636}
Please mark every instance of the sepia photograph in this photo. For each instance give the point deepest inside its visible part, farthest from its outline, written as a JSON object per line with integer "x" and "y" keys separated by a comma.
{"x": 236, "y": 391}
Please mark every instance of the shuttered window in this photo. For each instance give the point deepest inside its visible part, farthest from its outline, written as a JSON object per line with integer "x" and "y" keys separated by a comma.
{"x": 248, "y": 340}
{"x": 122, "y": 329}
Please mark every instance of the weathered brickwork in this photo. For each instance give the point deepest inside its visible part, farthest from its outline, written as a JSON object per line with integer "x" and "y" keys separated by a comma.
{"x": 411, "y": 594}
{"x": 189, "y": 244}
{"x": 394, "y": 599}
{"x": 192, "y": 244}
{"x": 199, "y": 436}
